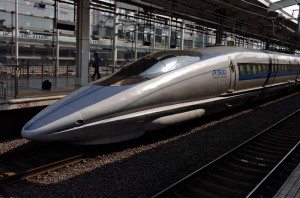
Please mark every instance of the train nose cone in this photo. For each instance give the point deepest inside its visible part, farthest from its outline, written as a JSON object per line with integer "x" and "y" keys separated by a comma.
{"x": 52, "y": 121}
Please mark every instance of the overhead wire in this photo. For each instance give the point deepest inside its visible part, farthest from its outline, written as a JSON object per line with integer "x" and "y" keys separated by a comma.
{"x": 242, "y": 9}
{"x": 209, "y": 12}
{"x": 254, "y": 34}
{"x": 254, "y": 4}
{"x": 224, "y": 17}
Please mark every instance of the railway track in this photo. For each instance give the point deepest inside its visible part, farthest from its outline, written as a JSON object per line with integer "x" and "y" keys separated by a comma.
{"x": 29, "y": 162}
{"x": 249, "y": 170}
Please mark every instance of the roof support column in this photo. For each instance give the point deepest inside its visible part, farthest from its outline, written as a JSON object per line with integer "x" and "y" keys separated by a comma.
{"x": 268, "y": 44}
{"x": 298, "y": 25}
{"x": 170, "y": 34}
{"x": 115, "y": 37}
{"x": 182, "y": 36}
{"x": 136, "y": 34}
{"x": 83, "y": 40}
{"x": 56, "y": 31}
{"x": 193, "y": 39}
{"x": 219, "y": 35}
{"x": 204, "y": 38}
{"x": 154, "y": 34}
{"x": 16, "y": 32}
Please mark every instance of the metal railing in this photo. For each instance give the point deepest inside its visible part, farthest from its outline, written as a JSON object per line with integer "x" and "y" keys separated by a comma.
{"x": 25, "y": 80}
{"x": 8, "y": 78}
{"x": 2, "y": 90}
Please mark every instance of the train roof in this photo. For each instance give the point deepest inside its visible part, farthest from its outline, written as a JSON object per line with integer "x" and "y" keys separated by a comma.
{"x": 158, "y": 55}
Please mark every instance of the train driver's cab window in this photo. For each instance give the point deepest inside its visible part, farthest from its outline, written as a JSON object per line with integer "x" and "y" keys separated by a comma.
{"x": 147, "y": 68}
{"x": 168, "y": 64}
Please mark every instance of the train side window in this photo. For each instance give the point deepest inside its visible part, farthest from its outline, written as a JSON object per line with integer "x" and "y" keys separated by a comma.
{"x": 279, "y": 68}
{"x": 255, "y": 68}
{"x": 249, "y": 69}
{"x": 260, "y": 68}
{"x": 274, "y": 67}
{"x": 294, "y": 68}
{"x": 289, "y": 68}
{"x": 242, "y": 68}
{"x": 264, "y": 68}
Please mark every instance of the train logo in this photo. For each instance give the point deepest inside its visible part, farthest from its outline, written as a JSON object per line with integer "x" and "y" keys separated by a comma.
{"x": 219, "y": 73}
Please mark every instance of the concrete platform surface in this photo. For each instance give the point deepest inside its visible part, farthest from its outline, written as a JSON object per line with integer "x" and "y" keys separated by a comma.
{"x": 291, "y": 188}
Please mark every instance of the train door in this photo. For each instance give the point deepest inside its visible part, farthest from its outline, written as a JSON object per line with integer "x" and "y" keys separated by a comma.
{"x": 269, "y": 71}
{"x": 274, "y": 70}
{"x": 297, "y": 70}
{"x": 232, "y": 70}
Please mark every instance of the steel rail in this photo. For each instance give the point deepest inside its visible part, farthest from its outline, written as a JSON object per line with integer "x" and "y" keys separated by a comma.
{"x": 261, "y": 183}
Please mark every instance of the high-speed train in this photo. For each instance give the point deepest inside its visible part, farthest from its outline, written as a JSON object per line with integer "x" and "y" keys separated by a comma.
{"x": 161, "y": 89}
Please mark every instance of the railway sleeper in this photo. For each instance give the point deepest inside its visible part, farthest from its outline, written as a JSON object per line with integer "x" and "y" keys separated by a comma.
{"x": 259, "y": 149}
{"x": 272, "y": 147}
{"x": 217, "y": 188}
{"x": 234, "y": 174}
{"x": 285, "y": 139}
{"x": 242, "y": 170}
{"x": 198, "y": 187}
{"x": 238, "y": 181}
{"x": 276, "y": 141}
{"x": 286, "y": 135}
{"x": 189, "y": 191}
{"x": 223, "y": 181}
{"x": 250, "y": 170}
{"x": 275, "y": 144}
{"x": 253, "y": 163}
{"x": 248, "y": 164}
{"x": 264, "y": 155}
{"x": 256, "y": 159}
{"x": 178, "y": 195}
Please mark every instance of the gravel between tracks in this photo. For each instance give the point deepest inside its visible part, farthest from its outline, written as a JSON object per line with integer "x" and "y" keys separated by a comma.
{"x": 143, "y": 169}
{"x": 9, "y": 145}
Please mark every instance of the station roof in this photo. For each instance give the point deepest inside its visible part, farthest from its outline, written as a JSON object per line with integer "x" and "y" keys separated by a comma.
{"x": 250, "y": 18}
{"x": 244, "y": 17}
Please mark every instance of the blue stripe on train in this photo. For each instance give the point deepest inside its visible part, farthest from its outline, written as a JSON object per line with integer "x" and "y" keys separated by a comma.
{"x": 264, "y": 75}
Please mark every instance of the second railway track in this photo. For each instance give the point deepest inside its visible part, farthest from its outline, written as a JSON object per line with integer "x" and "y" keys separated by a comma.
{"x": 242, "y": 171}
{"x": 33, "y": 160}
{"x": 7, "y": 178}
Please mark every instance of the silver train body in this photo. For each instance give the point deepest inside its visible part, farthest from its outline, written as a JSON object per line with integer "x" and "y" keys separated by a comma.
{"x": 162, "y": 89}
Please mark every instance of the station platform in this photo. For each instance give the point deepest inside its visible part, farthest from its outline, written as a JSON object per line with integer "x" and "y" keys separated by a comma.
{"x": 30, "y": 100}
{"x": 31, "y": 94}
{"x": 291, "y": 188}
